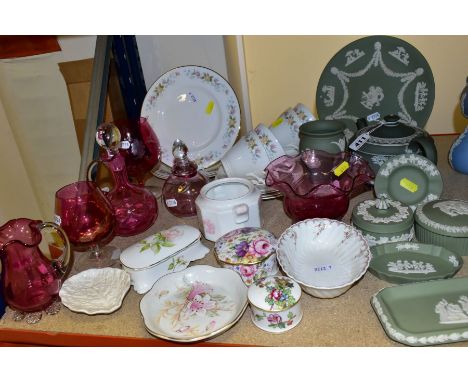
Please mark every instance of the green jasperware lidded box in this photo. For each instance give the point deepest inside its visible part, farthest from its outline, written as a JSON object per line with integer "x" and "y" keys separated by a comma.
{"x": 383, "y": 221}
{"x": 443, "y": 222}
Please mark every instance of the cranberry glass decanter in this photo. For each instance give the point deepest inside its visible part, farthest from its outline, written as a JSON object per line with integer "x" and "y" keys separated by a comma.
{"x": 183, "y": 186}
{"x": 135, "y": 208}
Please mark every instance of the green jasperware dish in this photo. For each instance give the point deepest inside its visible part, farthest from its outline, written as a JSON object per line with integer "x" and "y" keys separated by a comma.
{"x": 409, "y": 178}
{"x": 424, "y": 313}
{"x": 383, "y": 221}
{"x": 443, "y": 222}
{"x": 406, "y": 262}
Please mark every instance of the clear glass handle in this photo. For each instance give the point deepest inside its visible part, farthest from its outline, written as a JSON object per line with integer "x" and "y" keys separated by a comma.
{"x": 63, "y": 263}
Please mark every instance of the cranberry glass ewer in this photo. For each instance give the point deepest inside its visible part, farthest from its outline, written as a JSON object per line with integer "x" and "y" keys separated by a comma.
{"x": 30, "y": 281}
{"x": 317, "y": 184}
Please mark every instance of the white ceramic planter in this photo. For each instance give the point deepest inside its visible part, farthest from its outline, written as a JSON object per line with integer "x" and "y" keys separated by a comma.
{"x": 165, "y": 252}
{"x": 227, "y": 204}
{"x": 275, "y": 304}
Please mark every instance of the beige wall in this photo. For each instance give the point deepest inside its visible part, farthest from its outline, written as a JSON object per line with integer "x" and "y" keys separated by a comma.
{"x": 285, "y": 70}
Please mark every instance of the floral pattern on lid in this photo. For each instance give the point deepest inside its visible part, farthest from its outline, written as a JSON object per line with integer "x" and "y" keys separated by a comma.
{"x": 274, "y": 294}
{"x": 247, "y": 245}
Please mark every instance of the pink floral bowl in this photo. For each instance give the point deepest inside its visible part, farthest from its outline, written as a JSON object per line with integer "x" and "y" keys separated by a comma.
{"x": 249, "y": 251}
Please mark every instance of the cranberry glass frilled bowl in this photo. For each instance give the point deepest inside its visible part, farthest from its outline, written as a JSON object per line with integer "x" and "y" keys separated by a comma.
{"x": 317, "y": 184}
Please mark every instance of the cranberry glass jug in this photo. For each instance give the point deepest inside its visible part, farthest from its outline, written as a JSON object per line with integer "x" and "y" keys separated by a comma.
{"x": 30, "y": 281}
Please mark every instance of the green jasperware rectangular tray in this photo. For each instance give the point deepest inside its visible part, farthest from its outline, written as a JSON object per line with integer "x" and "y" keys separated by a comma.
{"x": 424, "y": 313}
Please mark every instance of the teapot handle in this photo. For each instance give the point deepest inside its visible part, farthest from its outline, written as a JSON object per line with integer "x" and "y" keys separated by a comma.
{"x": 426, "y": 143}
{"x": 63, "y": 264}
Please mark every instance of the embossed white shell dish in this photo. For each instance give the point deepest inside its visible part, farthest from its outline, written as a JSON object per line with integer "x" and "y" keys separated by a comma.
{"x": 167, "y": 251}
{"x": 326, "y": 257}
{"x": 95, "y": 291}
{"x": 195, "y": 304}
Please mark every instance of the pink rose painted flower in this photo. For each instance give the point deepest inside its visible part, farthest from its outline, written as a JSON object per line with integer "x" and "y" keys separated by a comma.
{"x": 274, "y": 318}
{"x": 247, "y": 270}
{"x": 171, "y": 234}
{"x": 198, "y": 289}
{"x": 208, "y": 226}
{"x": 261, "y": 246}
{"x": 276, "y": 294}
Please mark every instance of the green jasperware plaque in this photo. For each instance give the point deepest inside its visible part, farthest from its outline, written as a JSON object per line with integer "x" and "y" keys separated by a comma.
{"x": 377, "y": 74}
{"x": 407, "y": 262}
{"x": 425, "y": 313}
{"x": 409, "y": 178}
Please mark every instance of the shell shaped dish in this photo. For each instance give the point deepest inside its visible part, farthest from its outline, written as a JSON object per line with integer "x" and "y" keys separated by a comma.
{"x": 326, "y": 257}
{"x": 95, "y": 291}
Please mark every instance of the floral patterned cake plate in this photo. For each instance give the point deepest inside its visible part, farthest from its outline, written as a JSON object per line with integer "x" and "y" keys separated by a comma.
{"x": 197, "y": 105}
{"x": 377, "y": 74}
{"x": 195, "y": 304}
{"x": 424, "y": 313}
{"x": 406, "y": 262}
{"x": 409, "y": 178}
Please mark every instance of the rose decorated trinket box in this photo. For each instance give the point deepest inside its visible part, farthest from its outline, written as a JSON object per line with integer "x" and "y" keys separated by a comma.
{"x": 249, "y": 251}
{"x": 164, "y": 252}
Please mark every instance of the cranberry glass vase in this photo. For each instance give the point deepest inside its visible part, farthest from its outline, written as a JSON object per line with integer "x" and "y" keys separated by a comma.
{"x": 317, "y": 184}
{"x": 183, "y": 186}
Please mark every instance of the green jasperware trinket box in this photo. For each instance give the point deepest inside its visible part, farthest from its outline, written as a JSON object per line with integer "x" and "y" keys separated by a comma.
{"x": 383, "y": 221}
{"x": 445, "y": 223}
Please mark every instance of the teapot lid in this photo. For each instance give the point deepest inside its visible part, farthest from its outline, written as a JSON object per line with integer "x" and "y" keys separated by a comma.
{"x": 444, "y": 216}
{"x": 248, "y": 246}
{"x": 382, "y": 216}
{"x": 274, "y": 294}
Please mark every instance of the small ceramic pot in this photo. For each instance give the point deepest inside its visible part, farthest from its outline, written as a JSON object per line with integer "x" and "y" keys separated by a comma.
{"x": 227, "y": 204}
{"x": 275, "y": 304}
{"x": 164, "y": 252}
{"x": 325, "y": 135}
{"x": 444, "y": 223}
{"x": 249, "y": 251}
{"x": 383, "y": 221}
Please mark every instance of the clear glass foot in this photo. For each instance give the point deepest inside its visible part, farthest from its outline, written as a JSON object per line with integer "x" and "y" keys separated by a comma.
{"x": 33, "y": 318}
{"x": 18, "y": 316}
{"x": 53, "y": 308}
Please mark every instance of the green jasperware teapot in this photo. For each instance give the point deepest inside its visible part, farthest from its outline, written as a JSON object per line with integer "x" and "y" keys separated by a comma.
{"x": 392, "y": 137}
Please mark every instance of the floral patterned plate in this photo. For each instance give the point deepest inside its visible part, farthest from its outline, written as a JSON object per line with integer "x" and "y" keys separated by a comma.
{"x": 407, "y": 262}
{"x": 409, "y": 178}
{"x": 195, "y": 304}
{"x": 198, "y": 105}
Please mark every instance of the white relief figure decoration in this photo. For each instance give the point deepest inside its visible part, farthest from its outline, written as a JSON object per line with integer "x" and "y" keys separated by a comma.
{"x": 407, "y": 267}
{"x": 330, "y": 94}
{"x": 353, "y": 55}
{"x": 420, "y": 96}
{"x": 372, "y": 98}
{"x": 452, "y": 207}
{"x": 376, "y": 62}
{"x": 401, "y": 55}
{"x": 403, "y": 246}
{"x": 453, "y": 313}
{"x": 341, "y": 144}
{"x": 378, "y": 159}
{"x": 453, "y": 260}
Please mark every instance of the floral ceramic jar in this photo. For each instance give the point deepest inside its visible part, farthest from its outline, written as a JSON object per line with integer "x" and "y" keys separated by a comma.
{"x": 383, "y": 221}
{"x": 444, "y": 223}
{"x": 275, "y": 304}
{"x": 249, "y": 251}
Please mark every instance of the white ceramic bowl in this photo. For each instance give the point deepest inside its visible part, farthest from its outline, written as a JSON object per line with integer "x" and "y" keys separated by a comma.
{"x": 247, "y": 155}
{"x": 95, "y": 291}
{"x": 286, "y": 129}
{"x": 269, "y": 142}
{"x": 326, "y": 257}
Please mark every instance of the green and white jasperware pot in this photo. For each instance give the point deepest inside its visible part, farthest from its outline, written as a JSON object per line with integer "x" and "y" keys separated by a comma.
{"x": 445, "y": 223}
{"x": 383, "y": 221}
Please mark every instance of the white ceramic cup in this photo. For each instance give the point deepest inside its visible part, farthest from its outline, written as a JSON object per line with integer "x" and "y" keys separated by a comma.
{"x": 286, "y": 129}
{"x": 246, "y": 156}
{"x": 304, "y": 113}
{"x": 270, "y": 143}
{"x": 227, "y": 204}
